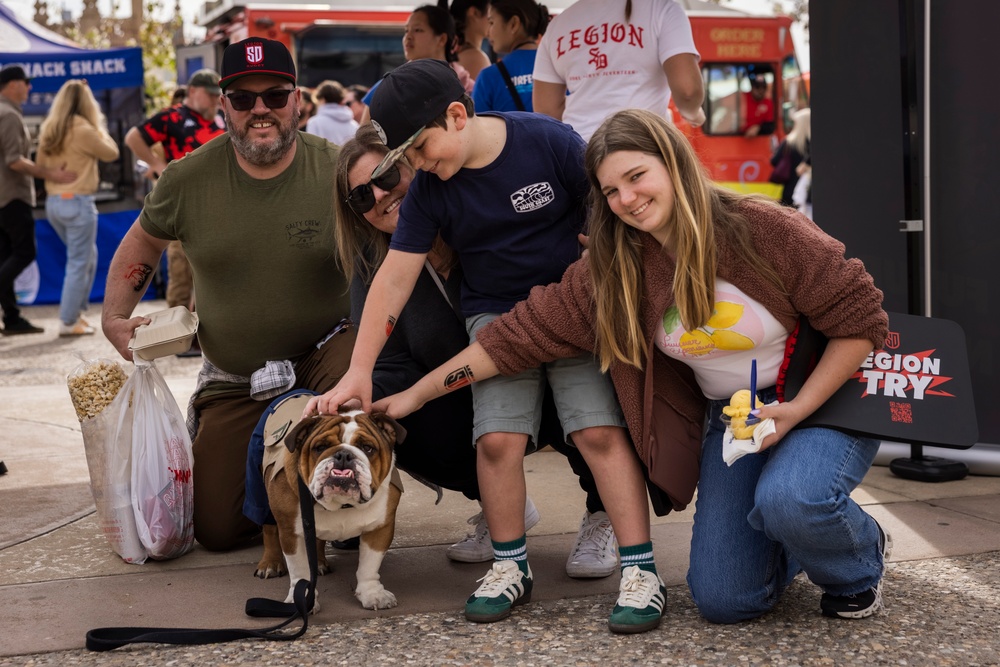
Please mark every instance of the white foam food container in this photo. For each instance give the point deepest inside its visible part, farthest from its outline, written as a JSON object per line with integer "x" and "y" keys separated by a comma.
{"x": 170, "y": 331}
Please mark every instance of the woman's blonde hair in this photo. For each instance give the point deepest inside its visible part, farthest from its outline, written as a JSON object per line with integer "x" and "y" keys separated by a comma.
{"x": 73, "y": 99}
{"x": 702, "y": 210}
{"x": 801, "y": 132}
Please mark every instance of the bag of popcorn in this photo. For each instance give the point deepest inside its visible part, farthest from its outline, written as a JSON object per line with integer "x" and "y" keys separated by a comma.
{"x": 95, "y": 387}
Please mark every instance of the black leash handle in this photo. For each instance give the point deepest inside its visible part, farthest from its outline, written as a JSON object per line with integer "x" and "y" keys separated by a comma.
{"x": 304, "y": 597}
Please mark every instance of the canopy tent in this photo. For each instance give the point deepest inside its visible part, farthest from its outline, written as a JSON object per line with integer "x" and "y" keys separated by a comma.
{"x": 116, "y": 77}
{"x": 50, "y": 59}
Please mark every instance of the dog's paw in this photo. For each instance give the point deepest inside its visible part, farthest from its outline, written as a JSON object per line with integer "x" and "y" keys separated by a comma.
{"x": 322, "y": 566}
{"x": 270, "y": 569}
{"x": 375, "y": 596}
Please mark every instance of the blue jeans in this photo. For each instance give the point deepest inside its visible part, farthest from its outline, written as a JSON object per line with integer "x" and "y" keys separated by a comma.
{"x": 770, "y": 515}
{"x": 74, "y": 219}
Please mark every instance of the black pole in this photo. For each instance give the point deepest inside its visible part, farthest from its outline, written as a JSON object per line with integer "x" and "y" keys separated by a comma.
{"x": 918, "y": 466}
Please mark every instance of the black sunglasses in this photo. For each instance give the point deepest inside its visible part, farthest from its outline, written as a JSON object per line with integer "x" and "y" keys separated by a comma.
{"x": 244, "y": 100}
{"x": 362, "y": 198}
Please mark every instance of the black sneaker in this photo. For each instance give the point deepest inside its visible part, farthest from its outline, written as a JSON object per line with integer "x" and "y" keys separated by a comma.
{"x": 865, "y": 603}
{"x": 20, "y": 326}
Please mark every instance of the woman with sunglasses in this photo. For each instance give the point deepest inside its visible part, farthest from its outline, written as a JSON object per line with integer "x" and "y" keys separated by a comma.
{"x": 430, "y": 330}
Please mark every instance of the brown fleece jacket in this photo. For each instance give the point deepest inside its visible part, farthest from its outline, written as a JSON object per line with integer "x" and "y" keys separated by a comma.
{"x": 662, "y": 403}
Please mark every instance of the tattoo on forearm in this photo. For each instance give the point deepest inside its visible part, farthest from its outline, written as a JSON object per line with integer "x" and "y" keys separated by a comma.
{"x": 389, "y": 326}
{"x": 137, "y": 275}
{"x": 459, "y": 378}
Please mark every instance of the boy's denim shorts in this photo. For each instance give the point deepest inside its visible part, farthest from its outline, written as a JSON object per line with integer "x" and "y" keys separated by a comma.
{"x": 583, "y": 395}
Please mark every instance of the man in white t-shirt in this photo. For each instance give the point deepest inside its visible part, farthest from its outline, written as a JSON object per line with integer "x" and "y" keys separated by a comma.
{"x": 617, "y": 54}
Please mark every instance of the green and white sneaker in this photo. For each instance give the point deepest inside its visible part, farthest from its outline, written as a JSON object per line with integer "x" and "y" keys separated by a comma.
{"x": 503, "y": 587}
{"x": 642, "y": 597}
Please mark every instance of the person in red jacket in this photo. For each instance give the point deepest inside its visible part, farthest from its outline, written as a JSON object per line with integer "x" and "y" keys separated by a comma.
{"x": 759, "y": 117}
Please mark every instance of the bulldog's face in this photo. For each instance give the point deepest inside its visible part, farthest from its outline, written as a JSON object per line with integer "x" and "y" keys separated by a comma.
{"x": 344, "y": 458}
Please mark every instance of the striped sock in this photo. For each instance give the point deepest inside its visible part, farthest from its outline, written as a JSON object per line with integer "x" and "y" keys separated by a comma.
{"x": 515, "y": 550}
{"x": 640, "y": 555}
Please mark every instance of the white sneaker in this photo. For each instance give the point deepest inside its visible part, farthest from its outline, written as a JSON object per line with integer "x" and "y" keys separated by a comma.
{"x": 595, "y": 553}
{"x": 476, "y": 547}
{"x": 641, "y": 599}
{"x": 79, "y": 328}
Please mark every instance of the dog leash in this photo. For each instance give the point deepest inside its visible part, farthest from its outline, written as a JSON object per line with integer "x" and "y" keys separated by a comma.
{"x": 304, "y": 596}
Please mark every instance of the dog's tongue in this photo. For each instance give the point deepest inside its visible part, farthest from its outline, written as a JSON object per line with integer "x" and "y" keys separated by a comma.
{"x": 342, "y": 473}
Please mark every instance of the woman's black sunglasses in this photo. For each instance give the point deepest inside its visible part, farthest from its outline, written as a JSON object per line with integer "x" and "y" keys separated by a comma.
{"x": 362, "y": 198}
{"x": 244, "y": 100}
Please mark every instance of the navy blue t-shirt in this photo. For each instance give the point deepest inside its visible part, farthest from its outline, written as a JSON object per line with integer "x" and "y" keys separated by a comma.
{"x": 513, "y": 222}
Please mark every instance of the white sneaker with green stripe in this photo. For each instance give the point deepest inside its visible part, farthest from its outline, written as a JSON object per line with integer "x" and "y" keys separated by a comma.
{"x": 642, "y": 597}
{"x": 503, "y": 587}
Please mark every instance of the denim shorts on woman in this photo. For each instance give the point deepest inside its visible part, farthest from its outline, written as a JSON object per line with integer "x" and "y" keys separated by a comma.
{"x": 583, "y": 395}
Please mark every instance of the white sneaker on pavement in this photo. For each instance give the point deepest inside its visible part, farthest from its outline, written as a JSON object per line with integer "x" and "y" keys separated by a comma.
{"x": 476, "y": 547}
{"x": 595, "y": 553}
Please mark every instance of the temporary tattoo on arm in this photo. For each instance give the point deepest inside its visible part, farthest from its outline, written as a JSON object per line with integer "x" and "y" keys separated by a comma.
{"x": 389, "y": 325}
{"x": 459, "y": 378}
{"x": 137, "y": 275}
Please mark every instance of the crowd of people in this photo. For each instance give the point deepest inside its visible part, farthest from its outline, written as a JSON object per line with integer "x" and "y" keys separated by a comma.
{"x": 503, "y": 253}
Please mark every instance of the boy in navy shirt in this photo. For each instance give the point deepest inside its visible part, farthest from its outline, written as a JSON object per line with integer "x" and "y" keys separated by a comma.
{"x": 507, "y": 192}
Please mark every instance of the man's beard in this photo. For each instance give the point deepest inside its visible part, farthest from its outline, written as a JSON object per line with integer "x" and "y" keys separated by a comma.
{"x": 261, "y": 153}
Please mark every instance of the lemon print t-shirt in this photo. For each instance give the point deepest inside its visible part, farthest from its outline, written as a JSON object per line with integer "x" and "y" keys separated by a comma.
{"x": 719, "y": 352}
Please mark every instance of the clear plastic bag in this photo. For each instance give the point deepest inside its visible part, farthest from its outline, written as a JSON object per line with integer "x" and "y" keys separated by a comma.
{"x": 98, "y": 389}
{"x": 162, "y": 492}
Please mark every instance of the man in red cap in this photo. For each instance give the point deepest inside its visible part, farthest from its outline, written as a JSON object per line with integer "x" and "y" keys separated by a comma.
{"x": 254, "y": 211}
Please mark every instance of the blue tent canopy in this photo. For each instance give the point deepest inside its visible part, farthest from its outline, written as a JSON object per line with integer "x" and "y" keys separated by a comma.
{"x": 49, "y": 60}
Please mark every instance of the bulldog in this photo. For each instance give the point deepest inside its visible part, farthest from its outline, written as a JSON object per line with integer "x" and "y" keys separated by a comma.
{"x": 347, "y": 461}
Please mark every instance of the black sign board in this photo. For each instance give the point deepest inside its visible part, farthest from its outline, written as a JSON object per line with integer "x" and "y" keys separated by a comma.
{"x": 916, "y": 390}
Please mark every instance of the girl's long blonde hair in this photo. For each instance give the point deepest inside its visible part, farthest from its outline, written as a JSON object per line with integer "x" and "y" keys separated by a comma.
{"x": 702, "y": 211}
{"x": 73, "y": 99}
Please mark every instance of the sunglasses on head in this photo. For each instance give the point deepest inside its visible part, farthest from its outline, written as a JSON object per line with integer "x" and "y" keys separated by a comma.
{"x": 362, "y": 198}
{"x": 244, "y": 100}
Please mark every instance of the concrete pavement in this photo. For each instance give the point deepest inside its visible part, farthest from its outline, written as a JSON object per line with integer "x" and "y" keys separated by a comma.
{"x": 58, "y": 578}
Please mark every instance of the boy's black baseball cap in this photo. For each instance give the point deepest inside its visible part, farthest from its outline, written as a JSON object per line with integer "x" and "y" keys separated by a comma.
{"x": 256, "y": 55}
{"x": 408, "y": 98}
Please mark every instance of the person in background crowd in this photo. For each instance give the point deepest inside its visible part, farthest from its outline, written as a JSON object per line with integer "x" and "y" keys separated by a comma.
{"x": 793, "y": 149}
{"x": 616, "y": 74}
{"x": 254, "y": 209}
{"x": 17, "y": 195}
{"x": 334, "y": 121}
{"x": 353, "y": 100}
{"x": 180, "y": 92}
{"x": 309, "y": 106}
{"x": 514, "y": 29}
{"x": 180, "y": 130}
{"x": 470, "y": 30}
{"x": 673, "y": 255}
{"x": 75, "y": 134}
{"x": 759, "y": 117}
{"x": 430, "y": 33}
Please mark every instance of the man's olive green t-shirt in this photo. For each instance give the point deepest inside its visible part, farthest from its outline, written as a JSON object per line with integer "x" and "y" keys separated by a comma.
{"x": 262, "y": 252}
